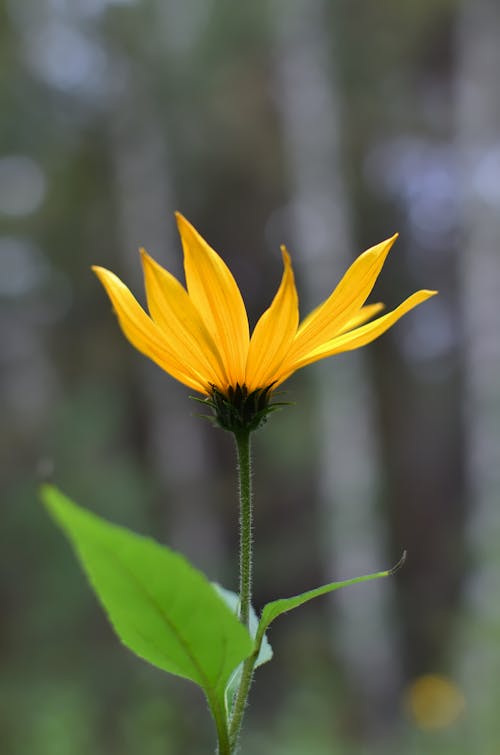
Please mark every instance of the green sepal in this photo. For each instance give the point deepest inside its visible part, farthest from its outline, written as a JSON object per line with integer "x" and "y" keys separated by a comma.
{"x": 240, "y": 410}
{"x": 161, "y": 607}
{"x": 274, "y": 609}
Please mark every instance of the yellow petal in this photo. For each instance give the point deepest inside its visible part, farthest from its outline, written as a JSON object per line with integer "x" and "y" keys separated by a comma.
{"x": 274, "y": 331}
{"x": 144, "y": 334}
{"x": 180, "y": 322}
{"x": 356, "y": 338}
{"x": 331, "y": 317}
{"x": 217, "y": 298}
{"x": 364, "y": 314}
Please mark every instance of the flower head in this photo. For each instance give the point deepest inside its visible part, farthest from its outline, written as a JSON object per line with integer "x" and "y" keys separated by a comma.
{"x": 200, "y": 334}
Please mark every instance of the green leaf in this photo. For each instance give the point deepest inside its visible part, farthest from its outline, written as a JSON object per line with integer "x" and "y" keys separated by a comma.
{"x": 160, "y": 606}
{"x": 277, "y": 607}
{"x": 232, "y": 599}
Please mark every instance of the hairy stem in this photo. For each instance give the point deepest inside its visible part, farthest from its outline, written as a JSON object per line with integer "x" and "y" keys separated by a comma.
{"x": 240, "y": 700}
{"x": 245, "y": 489}
{"x": 245, "y": 484}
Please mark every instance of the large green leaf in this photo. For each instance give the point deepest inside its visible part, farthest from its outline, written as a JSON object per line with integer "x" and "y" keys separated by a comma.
{"x": 161, "y": 607}
{"x": 274, "y": 609}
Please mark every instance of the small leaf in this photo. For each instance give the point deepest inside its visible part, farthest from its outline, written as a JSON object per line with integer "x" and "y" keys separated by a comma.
{"x": 161, "y": 607}
{"x": 277, "y": 607}
{"x": 232, "y": 599}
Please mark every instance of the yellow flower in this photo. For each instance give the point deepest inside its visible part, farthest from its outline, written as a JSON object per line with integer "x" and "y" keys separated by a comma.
{"x": 200, "y": 335}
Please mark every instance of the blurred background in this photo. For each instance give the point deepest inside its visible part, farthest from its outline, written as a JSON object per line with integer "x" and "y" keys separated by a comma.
{"x": 325, "y": 125}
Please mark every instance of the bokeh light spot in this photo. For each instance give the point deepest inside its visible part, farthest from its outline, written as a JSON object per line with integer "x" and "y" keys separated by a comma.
{"x": 22, "y": 185}
{"x": 66, "y": 58}
{"x": 434, "y": 702}
{"x": 23, "y": 266}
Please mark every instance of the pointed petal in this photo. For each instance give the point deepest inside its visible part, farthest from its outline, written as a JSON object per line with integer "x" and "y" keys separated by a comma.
{"x": 144, "y": 334}
{"x": 332, "y": 316}
{"x": 274, "y": 331}
{"x": 180, "y": 322}
{"x": 217, "y": 298}
{"x": 364, "y": 314}
{"x": 354, "y": 339}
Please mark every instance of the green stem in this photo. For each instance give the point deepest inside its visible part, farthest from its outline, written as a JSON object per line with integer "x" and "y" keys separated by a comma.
{"x": 241, "y": 700}
{"x": 244, "y": 468}
{"x": 223, "y": 747}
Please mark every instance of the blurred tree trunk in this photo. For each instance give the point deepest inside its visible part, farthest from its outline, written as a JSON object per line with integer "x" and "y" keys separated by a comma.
{"x": 478, "y": 98}
{"x": 174, "y": 432}
{"x": 354, "y": 537}
{"x": 418, "y": 365}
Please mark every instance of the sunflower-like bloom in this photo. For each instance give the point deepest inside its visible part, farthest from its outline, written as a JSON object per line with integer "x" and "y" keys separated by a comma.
{"x": 200, "y": 334}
